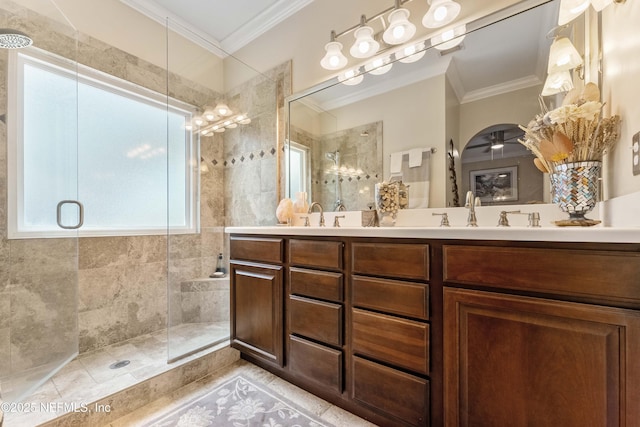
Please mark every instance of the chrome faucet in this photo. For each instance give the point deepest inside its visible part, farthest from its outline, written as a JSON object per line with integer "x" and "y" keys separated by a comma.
{"x": 470, "y": 203}
{"x": 314, "y": 204}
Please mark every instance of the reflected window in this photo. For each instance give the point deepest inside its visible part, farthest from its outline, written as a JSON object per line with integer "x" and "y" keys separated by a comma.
{"x": 297, "y": 160}
{"x": 122, "y": 150}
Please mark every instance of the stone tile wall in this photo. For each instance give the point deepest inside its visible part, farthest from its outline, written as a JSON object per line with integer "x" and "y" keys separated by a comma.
{"x": 252, "y": 157}
{"x": 360, "y": 148}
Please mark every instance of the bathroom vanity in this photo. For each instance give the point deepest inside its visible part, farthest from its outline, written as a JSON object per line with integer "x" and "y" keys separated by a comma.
{"x": 431, "y": 327}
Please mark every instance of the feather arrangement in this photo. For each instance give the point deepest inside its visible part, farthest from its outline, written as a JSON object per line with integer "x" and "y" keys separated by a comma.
{"x": 573, "y": 132}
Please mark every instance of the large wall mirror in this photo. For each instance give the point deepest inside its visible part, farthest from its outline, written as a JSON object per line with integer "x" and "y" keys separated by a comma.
{"x": 341, "y": 138}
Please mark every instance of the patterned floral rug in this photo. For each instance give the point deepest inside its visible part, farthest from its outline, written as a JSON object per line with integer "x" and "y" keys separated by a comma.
{"x": 239, "y": 403}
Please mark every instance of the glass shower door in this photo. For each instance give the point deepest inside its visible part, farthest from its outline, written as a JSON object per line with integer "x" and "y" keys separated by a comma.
{"x": 39, "y": 247}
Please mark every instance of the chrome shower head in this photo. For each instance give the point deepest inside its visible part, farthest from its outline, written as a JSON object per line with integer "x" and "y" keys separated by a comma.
{"x": 13, "y": 39}
{"x": 333, "y": 155}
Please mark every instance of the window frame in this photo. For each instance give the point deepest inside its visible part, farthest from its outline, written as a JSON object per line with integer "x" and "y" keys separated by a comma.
{"x": 305, "y": 166}
{"x": 90, "y": 76}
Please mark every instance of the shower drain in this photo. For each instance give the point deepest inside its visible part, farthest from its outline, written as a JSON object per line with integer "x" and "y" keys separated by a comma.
{"x": 120, "y": 364}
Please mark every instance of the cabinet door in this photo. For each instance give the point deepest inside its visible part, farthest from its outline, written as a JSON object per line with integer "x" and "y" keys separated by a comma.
{"x": 521, "y": 361}
{"x": 256, "y": 310}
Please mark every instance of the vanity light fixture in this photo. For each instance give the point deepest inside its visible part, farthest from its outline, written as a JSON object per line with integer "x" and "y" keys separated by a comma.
{"x": 379, "y": 65}
{"x": 450, "y": 38}
{"x": 351, "y": 77}
{"x": 334, "y": 59}
{"x": 563, "y": 56}
{"x": 400, "y": 30}
{"x": 411, "y": 53}
{"x": 571, "y": 9}
{"x": 223, "y": 124}
{"x": 223, "y": 110}
{"x": 209, "y": 114}
{"x": 557, "y": 82}
{"x": 365, "y": 46}
{"x": 440, "y": 13}
{"x": 198, "y": 121}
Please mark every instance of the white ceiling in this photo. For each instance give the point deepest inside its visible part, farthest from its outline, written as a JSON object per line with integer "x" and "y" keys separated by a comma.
{"x": 225, "y": 24}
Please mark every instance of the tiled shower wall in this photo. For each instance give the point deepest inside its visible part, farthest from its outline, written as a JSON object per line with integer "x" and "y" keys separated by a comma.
{"x": 123, "y": 280}
{"x": 360, "y": 149}
{"x": 253, "y": 174}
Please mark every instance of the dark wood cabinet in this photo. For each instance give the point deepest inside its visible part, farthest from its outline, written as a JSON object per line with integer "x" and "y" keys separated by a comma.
{"x": 315, "y": 312}
{"x": 257, "y": 299}
{"x": 390, "y": 332}
{"x": 430, "y": 332}
{"x": 522, "y": 361}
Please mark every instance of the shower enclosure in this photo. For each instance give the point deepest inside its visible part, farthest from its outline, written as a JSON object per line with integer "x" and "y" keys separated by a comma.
{"x": 118, "y": 152}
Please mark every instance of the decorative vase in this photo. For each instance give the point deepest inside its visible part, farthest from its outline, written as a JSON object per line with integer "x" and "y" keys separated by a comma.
{"x": 575, "y": 191}
{"x": 300, "y": 205}
{"x": 387, "y": 202}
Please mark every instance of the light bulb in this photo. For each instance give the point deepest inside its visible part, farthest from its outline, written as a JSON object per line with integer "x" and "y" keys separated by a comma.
{"x": 411, "y": 53}
{"x": 364, "y": 46}
{"x": 400, "y": 30}
{"x": 440, "y": 13}
{"x": 449, "y": 39}
{"x": 351, "y": 77}
{"x": 334, "y": 58}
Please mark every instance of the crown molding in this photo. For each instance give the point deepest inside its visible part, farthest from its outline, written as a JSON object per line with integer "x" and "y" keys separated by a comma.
{"x": 501, "y": 88}
{"x": 176, "y": 24}
{"x": 262, "y": 23}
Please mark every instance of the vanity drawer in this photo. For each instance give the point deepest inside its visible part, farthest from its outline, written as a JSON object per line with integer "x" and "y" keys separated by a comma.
{"x": 405, "y": 261}
{"x": 256, "y": 249}
{"x": 316, "y": 253}
{"x": 318, "y": 320}
{"x": 391, "y": 296}
{"x": 609, "y": 275}
{"x": 393, "y": 392}
{"x": 316, "y": 362}
{"x": 316, "y": 284}
{"x": 400, "y": 342}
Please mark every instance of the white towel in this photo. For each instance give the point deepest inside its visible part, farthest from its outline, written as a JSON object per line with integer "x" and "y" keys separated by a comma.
{"x": 415, "y": 157}
{"x": 395, "y": 165}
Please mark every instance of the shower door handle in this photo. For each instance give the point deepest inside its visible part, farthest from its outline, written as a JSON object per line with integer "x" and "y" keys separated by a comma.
{"x": 80, "y": 215}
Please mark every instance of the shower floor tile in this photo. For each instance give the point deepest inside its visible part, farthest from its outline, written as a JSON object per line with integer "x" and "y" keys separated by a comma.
{"x": 88, "y": 378}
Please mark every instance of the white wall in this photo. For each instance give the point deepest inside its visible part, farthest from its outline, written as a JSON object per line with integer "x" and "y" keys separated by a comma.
{"x": 517, "y": 107}
{"x": 621, "y": 91}
{"x": 413, "y": 116}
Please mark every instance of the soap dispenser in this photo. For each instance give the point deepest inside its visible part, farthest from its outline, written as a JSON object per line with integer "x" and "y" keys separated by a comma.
{"x": 220, "y": 270}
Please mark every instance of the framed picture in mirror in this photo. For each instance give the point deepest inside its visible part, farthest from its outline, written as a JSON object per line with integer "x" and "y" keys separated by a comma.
{"x": 495, "y": 185}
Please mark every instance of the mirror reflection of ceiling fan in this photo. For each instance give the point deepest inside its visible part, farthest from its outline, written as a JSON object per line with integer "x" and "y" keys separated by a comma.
{"x": 497, "y": 139}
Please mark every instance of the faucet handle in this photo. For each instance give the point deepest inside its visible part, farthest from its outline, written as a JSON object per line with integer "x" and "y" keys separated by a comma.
{"x": 306, "y": 221}
{"x": 503, "y": 221}
{"x": 444, "y": 222}
{"x": 532, "y": 217}
{"x": 336, "y": 220}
